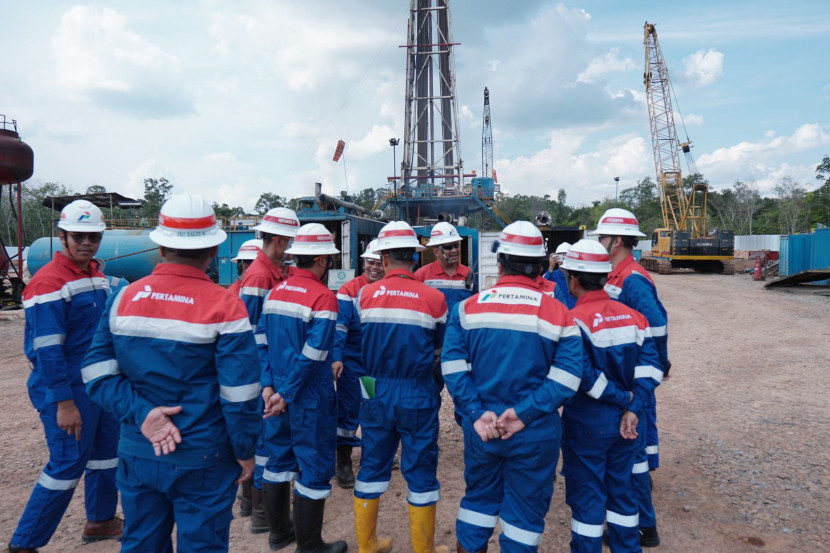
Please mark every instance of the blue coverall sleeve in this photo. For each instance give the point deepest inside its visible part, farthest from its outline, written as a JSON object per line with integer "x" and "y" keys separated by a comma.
{"x": 559, "y": 294}
{"x": 239, "y": 387}
{"x": 548, "y": 275}
{"x": 105, "y": 384}
{"x": 318, "y": 343}
{"x": 455, "y": 367}
{"x": 596, "y": 384}
{"x": 563, "y": 378}
{"x": 45, "y": 336}
{"x": 253, "y": 299}
{"x": 261, "y": 339}
{"x": 345, "y": 321}
{"x": 647, "y": 374}
{"x": 639, "y": 294}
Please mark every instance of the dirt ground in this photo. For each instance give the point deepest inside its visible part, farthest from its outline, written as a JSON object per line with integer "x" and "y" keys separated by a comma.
{"x": 744, "y": 434}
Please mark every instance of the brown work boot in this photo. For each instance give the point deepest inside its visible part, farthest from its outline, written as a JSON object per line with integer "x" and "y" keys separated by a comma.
{"x": 105, "y": 530}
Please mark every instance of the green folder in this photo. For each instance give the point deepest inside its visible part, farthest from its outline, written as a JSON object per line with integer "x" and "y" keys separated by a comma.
{"x": 367, "y": 387}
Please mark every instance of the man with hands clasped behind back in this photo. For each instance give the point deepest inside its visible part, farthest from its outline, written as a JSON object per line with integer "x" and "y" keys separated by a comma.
{"x": 508, "y": 402}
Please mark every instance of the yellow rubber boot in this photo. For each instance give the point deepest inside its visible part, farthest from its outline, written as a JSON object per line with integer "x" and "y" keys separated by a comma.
{"x": 422, "y": 530}
{"x": 365, "y": 524}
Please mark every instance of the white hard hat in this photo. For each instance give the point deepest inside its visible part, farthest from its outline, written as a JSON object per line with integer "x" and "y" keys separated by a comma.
{"x": 443, "y": 233}
{"x": 617, "y": 222}
{"x": 187, "y": 222}
{"x": 397, "y": 235}
{"x": 248, "y": 250}
{"x": 280, "y": 220}
{"x": 312, "y": 239}
{"x": 522, "y": 239}
{"x": 563, "y": 248}
{"x": 370, "y": 252}
{"x": 587, "y": 256}
{"x": 82, "y": 216}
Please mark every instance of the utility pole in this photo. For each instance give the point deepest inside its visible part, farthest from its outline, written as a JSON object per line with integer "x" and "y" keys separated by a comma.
{"x": 617, "y": 194}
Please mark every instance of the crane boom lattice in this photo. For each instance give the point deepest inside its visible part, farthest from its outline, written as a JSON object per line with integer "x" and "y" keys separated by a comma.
{"x": 682, "y": 209}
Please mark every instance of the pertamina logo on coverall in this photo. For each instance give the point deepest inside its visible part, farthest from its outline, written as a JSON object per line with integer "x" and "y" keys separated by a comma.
{"x": 284, "y": 286}
{"x": 162, "y": 296}
{"x": 382, "y": 291}
{"x": 510, "y": 296}
{"x": 599, "y": 319}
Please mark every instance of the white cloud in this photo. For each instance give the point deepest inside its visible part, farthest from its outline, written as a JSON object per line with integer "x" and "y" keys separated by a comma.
{"x": 693, "y": 120}
{"x": 585, "y": 175}
{"x": 703, "y": 67}
{"x": 610, "y": 62}
{"x": 100, "y": 59}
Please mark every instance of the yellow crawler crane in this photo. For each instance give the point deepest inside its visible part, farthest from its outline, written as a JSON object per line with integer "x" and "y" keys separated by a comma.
{"x": 683, "y": 242}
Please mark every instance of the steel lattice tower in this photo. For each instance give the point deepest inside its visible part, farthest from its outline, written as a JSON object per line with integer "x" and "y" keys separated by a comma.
{"x": 432, "y": 163}
{"x": 486, "y": 140}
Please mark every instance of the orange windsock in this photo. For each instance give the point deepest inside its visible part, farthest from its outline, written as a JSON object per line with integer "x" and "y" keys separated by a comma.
{"x": 339, "y": 150}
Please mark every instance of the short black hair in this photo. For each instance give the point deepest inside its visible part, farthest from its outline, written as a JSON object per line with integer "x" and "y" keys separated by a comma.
{"x": 590, "y": 281}
{"x": 305, "y": 261}
{"x": 190, "y": 254}
{"x": 401, "y": 254}
{"x": 630, "y": 242}
{"x": 522, "y": 266}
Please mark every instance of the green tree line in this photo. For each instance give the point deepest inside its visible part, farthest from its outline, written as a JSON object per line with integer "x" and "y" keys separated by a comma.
{"x": 794, "y": 208}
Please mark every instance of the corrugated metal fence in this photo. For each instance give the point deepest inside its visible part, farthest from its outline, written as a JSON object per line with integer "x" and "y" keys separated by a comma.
{"x": 801, "y": 252}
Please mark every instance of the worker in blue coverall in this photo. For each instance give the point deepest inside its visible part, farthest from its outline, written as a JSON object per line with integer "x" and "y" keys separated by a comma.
{"x": 629, "y": 283}
{"x": 604, "y": 423}
{"x": 63, "y": 303}
{"x": 174, "y": 360}
{"x": 509, "y": 403}
{"x": 447, "y": 274}
{"x": 402, "y": 328}
{"x": 347, "y": 365}
{"x": 297, "y": 327}
{"x": 555, "y": 273}
{"x": 276, "y": 229}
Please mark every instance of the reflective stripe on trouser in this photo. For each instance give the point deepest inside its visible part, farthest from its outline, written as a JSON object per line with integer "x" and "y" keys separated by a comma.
{"x": 348, "y": 405}
{"x": 507, "y": 480}
{"x": 407, "y": 414}
{"x": 157, "y": 494}
{"x": 303, "y": 441}
{"x": 68, "y": 461}
{"x": 652, "y": 438}
{"x": 642, "y": 487}
{"x": 598, "y": 486}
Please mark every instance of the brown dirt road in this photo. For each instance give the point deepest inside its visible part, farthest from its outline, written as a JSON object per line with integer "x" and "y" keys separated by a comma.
{"x": 744, "y": 434}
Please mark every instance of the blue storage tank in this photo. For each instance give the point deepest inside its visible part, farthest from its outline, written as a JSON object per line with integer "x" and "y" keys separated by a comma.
{"x": 820, "y": 252}
{"x": 128, "y": 254}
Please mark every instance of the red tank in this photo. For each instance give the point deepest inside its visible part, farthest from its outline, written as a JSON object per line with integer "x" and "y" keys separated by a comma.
{"x": 17, "y": 161}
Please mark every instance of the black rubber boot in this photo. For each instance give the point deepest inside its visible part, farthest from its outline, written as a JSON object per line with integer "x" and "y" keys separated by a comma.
{"x": 649, "y": 537}
{"x": 244, "y": 496}
{"x": 343, "y": 469}
{"x": 308, "y": 525}
{"x": 259, "y": 522}
{"x": 277, "y": 501}
{"x": 460, "y": 548}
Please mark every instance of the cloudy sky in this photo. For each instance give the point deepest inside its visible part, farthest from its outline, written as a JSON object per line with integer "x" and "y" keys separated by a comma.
{"x": 233, "y": 99}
